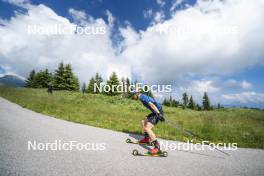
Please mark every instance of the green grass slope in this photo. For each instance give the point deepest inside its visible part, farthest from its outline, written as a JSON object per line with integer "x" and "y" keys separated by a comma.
{"x": 242, "y": 126}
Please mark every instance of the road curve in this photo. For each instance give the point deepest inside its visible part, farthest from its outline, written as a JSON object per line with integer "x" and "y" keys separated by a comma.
{"x": 19, "y": 126}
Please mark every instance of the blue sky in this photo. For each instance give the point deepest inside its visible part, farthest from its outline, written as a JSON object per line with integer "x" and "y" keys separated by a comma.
{"x": 228, "y": 66}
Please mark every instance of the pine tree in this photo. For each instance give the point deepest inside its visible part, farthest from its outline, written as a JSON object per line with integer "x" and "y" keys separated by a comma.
{"x": 112, "y": 83}
{"x": 48, "y": 77}
{"x": 218, "y": 106}
{"x": 76, "y": 83}
{"x": 165, "y": 102}
{"x": 191, "y": 104}
{"x": 128, "y": 91}
{"x": 59, "y": 82}
{"x": 90, "y": 87}
{"x": 127, "y": 82}
{"x": 64, "y": 79}
{"x": 94, "y": 81}
{"x": 70, "y": 80}
{"x": 185, "y": 100}
{"x": 206, "y": 102}
{"x": 30, "y": 79}
{"x": 175, "y": 103}
{"x": 83, "y": 87}
{"x": 39, "y": 79}
{"x": 98, "y": 80}
{"x": 199, "y": 108}
{"x": 123, "y": 83}
{"x": 170, "y": 101}
{"x": 42, "y": 79}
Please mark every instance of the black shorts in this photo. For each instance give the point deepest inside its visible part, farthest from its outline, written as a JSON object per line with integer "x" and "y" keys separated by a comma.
{"x": 153, "y": 118}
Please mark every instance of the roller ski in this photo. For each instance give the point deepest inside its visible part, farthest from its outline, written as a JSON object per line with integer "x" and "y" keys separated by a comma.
{"x": 158, "y": 154}
{"x": 144, "y": 141}
{"x": 153, "y": 152}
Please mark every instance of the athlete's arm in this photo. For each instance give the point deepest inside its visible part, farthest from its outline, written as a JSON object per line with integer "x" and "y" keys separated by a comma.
{"x": 154, "y": 107}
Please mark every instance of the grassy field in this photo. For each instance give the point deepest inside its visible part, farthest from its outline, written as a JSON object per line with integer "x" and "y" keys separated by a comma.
{"x": 242, "y": 126}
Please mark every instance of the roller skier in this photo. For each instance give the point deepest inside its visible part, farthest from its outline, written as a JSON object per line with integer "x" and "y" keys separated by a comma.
{"x": 150, "y": 121}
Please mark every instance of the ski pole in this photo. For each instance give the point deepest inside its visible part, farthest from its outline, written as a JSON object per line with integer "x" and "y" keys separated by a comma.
{"x": 189, "y": 133}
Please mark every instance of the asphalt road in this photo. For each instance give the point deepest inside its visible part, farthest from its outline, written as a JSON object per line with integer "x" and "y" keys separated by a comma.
{"x": 20, "y": 127}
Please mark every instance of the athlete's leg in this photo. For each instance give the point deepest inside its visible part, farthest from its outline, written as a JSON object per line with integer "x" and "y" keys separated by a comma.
{"x": 152, "y": 120}
{"x": 153, "y": 139}
{"x": 143, "y": 123}
{"x": 146, "y": 138}
{"x": 148, "y": 128}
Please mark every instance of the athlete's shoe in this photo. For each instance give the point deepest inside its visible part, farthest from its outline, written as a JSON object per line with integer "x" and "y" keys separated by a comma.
{"x": 154, "y": 151}
{"x": 144, "y": 140}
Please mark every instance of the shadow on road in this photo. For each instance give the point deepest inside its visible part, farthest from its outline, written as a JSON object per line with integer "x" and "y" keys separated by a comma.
{"x": 137, "y": 137}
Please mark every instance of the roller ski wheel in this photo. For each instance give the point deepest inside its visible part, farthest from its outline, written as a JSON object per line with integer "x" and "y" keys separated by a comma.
{"x": 135, "y": 152}
{"x": 160, "y": 154}
{"x": 130, "y": 141}
{"x": 164, "y": 153}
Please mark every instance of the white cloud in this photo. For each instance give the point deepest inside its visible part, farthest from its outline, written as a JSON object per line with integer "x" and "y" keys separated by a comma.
{"x": 161, "y": 3}
{"x": 131, "y": 37}
{"x": 80, "y": 17}
{"x": 197, "y": 41}
{"x": 87, "y": 53}
{"x": 110, "y": 18}
{"x": 196, "y": 88}
{"x": 77, "y": 14}
{"x": 216, "y": 87}
{"x": 245, "y": 97}
{"x": 246, "y": 85}
{"x": 175, "y": 4}
{"x": 231, "y": 83}
{"x": 200, "y": 87}
{"x": 147, "y": 13}
{"x": 159, "y": 17}
{"x": 20, "y": 3}
{"x": 196, "y": 47}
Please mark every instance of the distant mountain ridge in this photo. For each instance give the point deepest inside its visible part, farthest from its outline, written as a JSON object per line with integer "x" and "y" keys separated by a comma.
{"x": 12, "y": 80}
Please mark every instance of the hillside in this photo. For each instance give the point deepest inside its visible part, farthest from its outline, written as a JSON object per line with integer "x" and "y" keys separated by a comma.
{"x": 242, "y": 126}
{"x": 12, "y": 80}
